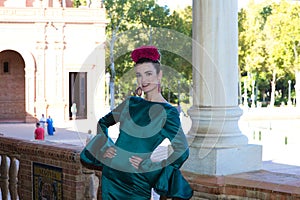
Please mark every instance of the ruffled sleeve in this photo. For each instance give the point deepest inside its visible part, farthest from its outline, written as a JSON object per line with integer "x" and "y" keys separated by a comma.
{"x": 173, "y": 131}
{"x": 170, "y": 182}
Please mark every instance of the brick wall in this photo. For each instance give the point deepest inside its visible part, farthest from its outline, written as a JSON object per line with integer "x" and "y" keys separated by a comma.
{"x": 12, "y": 81}
{"x": 63, "y": 156}
{"x": 257, "y": 185}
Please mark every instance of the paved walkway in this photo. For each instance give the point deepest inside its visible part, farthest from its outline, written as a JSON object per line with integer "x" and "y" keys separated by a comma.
{"x": 65, "y": 134}
{"x": 68, "y": 135}
{"x": 26, "y": 131}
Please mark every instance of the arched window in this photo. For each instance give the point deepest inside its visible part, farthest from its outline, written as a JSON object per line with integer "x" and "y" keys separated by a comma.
{"x": 5, "y": 67}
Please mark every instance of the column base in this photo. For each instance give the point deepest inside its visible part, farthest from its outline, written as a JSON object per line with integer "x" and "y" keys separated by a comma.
{"x": 224, "y": 161}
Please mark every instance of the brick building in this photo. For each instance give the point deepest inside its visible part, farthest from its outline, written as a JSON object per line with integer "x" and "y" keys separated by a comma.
{"x": 51, "y": 56}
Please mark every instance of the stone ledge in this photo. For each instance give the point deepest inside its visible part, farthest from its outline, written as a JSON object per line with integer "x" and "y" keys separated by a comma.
{"x": 45, "y": 149}
{"x": 260, "y": 184}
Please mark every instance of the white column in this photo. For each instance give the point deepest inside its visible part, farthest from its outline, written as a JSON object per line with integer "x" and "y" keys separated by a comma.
{"x": 107, "y": 76}
{"x": 297, "y": 89}
{"x": 41, "y": 46}
{"x": 29, "y": 93}
{"x": 245, "y": 94}
{"x": 289, "y": 103}
{"x": 218, "y": 147}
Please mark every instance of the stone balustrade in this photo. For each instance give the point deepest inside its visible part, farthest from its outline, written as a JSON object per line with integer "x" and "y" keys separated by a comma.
{"x": 32, "y": 169}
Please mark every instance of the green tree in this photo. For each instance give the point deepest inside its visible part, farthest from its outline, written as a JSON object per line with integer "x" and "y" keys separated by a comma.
{"x": 251, "y": 51}
{"x": 181, "y": 23}
{"x": 78, "y": 3}
{"x": 127, "y": 20}
{"x": 269, "y": 43}
{"x": 122, "y": 14}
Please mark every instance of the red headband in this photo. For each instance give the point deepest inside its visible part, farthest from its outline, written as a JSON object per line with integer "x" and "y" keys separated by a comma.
{"x": 150, "y": 52}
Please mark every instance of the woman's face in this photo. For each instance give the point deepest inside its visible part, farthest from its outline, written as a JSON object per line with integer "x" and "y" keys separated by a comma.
{"x": 147, "y": 77}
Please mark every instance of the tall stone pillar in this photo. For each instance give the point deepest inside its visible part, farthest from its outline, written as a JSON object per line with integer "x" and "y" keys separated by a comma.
{"x": 41, "y": 46}
{"x": 58, "y": 106}
{"x": 29, "y": 93}
{"x": 217, "y": 146}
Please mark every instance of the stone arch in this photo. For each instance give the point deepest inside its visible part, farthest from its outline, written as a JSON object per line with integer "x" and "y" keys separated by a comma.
{"x": 27, "y": 110}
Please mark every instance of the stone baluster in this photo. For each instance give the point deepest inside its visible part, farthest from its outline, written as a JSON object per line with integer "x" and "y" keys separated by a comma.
{"x": 98, "y": 174}
{"x": 4, "y": 177}
{"x": 89, "y": 184}
{"x": 13, "y": 178}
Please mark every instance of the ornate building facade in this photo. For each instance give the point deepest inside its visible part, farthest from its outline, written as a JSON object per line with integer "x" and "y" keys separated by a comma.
{"x": 51, "y": 56}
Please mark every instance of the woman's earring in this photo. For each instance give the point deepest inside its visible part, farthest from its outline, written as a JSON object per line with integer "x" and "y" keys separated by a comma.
{"x": 138, "y": 91}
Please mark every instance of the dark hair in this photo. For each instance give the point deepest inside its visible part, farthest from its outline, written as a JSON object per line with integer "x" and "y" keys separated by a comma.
{"x": 38, "y": 124}
{"x": 155, "y": 63}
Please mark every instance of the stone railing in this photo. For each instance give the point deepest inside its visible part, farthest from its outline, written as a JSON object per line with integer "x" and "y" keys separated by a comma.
{"x": 36, "y": 169}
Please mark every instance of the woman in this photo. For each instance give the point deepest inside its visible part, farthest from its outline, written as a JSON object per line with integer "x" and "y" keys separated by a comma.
{"x": 50, "y": 128}
{"x": 43, "y": 121}
{"x": 127, "y": 169}
{"x": 39, "y": 132}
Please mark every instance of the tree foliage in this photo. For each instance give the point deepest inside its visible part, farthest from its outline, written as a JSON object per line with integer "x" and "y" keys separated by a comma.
{"x": 269, "y": 46}
{"x": 133, "y": 23}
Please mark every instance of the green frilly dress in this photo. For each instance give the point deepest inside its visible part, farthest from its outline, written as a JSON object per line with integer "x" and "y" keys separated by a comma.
{"x": 143, "y": 126}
